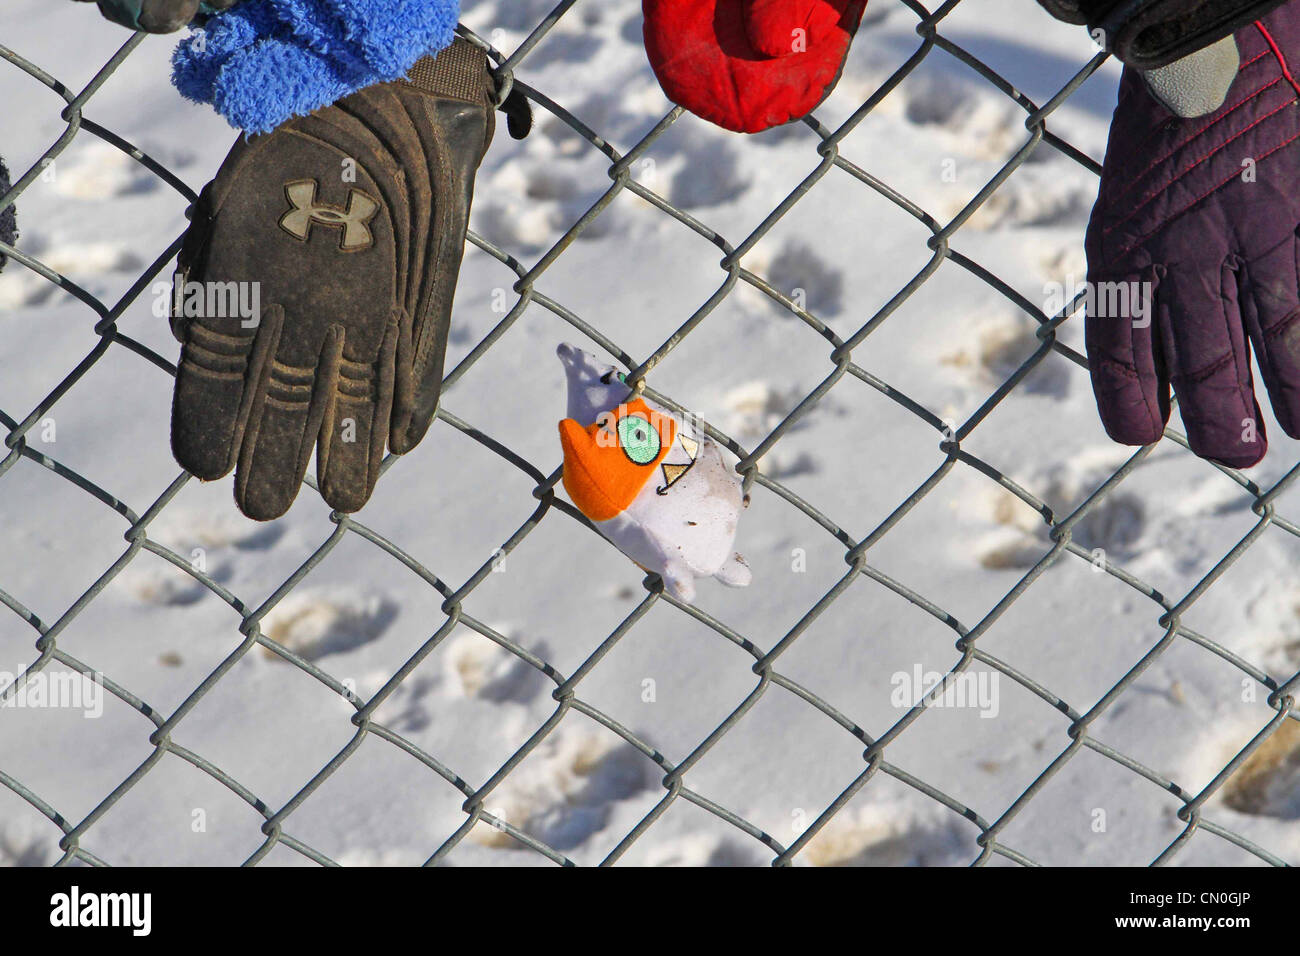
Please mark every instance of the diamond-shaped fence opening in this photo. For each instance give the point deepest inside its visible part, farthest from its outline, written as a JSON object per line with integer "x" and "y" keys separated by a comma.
{"x": 779, "y": 690}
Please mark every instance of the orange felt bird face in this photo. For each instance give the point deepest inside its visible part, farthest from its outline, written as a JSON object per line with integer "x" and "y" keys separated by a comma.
{"x": 608, "y": 463}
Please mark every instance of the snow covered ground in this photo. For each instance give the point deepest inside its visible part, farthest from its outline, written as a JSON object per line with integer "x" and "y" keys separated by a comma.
{"x": 636, "y": 274}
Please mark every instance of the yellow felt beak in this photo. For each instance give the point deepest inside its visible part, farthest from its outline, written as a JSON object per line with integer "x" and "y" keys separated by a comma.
{"x": 599, "y": 478}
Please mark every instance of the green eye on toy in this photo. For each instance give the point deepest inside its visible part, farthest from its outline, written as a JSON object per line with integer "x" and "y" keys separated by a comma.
{"x": 639, "y": 440}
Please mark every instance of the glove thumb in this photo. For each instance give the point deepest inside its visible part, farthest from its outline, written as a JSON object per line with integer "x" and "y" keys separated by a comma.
{"x": 1198, "y": 83}
{"x": 160, "y": 16}
{"x": 779, "y": 28}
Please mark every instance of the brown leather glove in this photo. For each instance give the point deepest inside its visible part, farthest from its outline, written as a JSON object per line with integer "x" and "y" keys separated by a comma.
{"x": 315, "y": 286}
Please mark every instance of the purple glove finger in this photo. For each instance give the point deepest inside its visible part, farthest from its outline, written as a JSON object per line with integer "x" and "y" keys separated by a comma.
{"x": 1270, "y": 304}
{"x": 1203, "y": 340}
{"x": 1127, "y": 376}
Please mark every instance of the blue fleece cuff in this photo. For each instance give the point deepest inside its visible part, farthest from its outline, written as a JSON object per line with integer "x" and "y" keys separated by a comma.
{"x": 265, "y": 61}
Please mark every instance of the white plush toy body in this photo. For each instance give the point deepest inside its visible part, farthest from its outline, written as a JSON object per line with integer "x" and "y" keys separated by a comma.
{"x": 660, "y": 491}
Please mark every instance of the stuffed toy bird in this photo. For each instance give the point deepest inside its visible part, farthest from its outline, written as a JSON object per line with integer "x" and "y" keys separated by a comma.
{"x": 749, "y": 65}
{"x": 8, "y": 220}
{"x": 650, "y": 483}
{"x": 1193, "y": 256}
{"x": 342, "y": 234}
{"x": 1146, "y": 34}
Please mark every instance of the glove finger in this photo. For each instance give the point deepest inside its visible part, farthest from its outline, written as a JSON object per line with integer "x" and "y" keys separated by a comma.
{"x": 1128, "y": 375}
{"x": 211, "y": 401}
{"x": 288, "y": 407}
{"x": 782, "y": 27}
{"x": 378, "y": 120}
{"x": 387, "y": 119}
{"x": 1071, "y": 11}
{"x": 166, "y": 16}
{"x": 154, "y": 16}
{"x": 419, "y": 381}
{"x": 1150, "y": 35}
{"x": 1270, "y": 303}
{"x": 355, "y": 430}
{"x": 1205, "y": 349}
{"x": 454, "y": 140}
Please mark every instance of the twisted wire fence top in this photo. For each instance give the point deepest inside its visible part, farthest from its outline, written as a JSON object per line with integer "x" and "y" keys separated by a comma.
{"x": 1158, "y": 634}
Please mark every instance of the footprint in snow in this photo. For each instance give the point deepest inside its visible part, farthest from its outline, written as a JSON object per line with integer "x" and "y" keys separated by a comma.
{"x": 392, "y": 857}
{"x": 520, "y": 227}
{"x": 754, "y": 409}
{"x": 546, "y": 183}
{"x": 703, "y": 850}
{"x": 569, "y": 48}
{"x": 887, "y": 835}
{"x": 1034, "y": 197}
{"x": 565, "y": 791}
{"x": 186, "y": 529}
{"x": 484, "y": 669}
{"x": 100, "y": 172}
{"x": 564, "y": 202}
{"x": 317, "y": 622}
{"x": 936, "y": 99}
{"x": 1114, "y": 526}
{"x": 20, "y": 847}
{"x": 709, "y": 174}
{"x": 982, "y": 126}
{"x": 994, "y": 350}
{"x": 1268, "y": 783}
{"x": 520, "y": 14}
{"x": 206, "y": 540}
{"x": 633, "y": 28}
{"x": 163, "y": 584}
{"x": 405, "y": 711}
{"x": 799, "y": 272}
{"x": 22, "y": 288}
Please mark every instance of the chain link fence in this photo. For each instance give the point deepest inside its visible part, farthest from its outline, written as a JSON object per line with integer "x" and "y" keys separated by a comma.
{"x": 987, "y": 823}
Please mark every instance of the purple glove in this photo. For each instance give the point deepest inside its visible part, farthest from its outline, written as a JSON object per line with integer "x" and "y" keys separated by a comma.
{"x": 1192, "y": 246}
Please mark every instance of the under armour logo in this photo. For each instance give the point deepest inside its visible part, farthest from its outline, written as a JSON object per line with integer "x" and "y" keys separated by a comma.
{"x": 304, "y": 211}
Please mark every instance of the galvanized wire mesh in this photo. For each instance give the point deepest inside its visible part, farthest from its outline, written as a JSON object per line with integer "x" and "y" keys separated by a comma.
{"x": 988, "y": 825}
